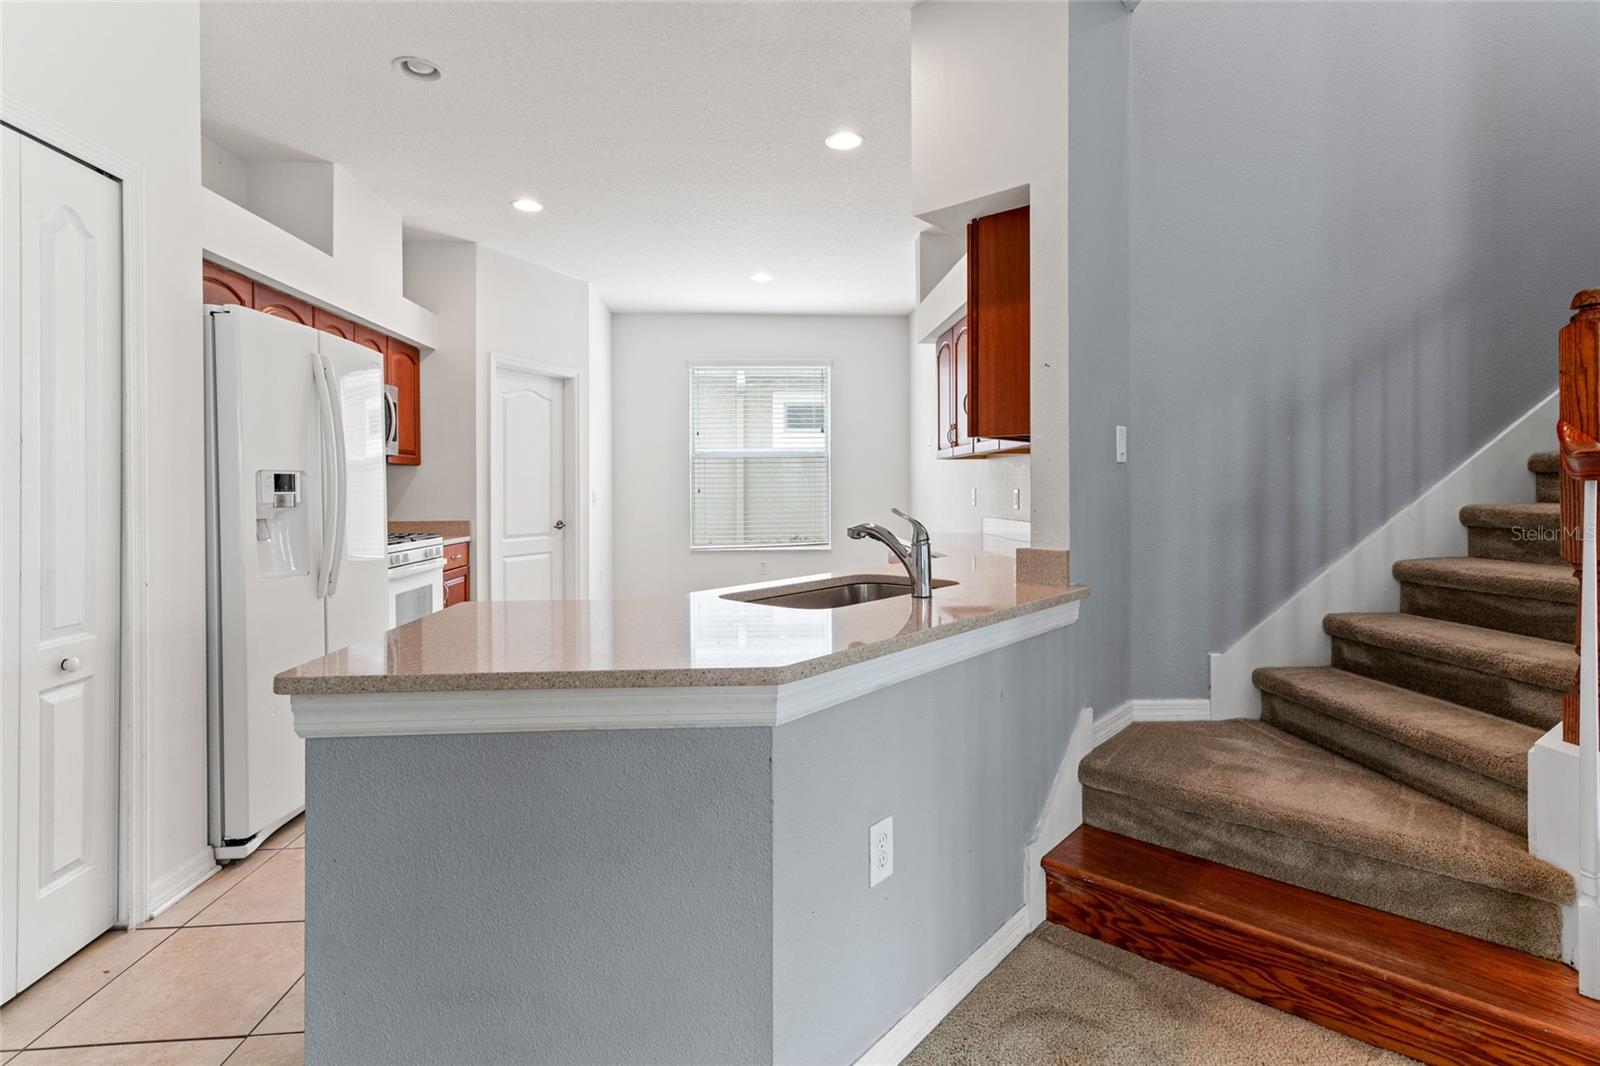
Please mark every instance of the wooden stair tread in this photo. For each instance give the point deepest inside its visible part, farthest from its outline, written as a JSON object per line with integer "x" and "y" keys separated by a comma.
{"x": 1415, "y": 988}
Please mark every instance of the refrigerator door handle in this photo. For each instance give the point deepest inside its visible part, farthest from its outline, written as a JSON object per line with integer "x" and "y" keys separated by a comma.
{"x": 319, "y": 377}
{"x": 341, "y": 462}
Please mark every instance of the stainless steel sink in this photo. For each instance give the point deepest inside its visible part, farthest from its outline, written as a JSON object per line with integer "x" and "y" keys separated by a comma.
{"x": 846, "y": 593}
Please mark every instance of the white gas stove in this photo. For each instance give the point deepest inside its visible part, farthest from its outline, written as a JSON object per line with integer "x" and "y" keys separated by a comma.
{"x": 416, "y": 576}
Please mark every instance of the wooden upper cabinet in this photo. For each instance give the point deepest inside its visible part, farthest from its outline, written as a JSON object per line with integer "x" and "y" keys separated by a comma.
{"x": 945, "y": 424}
{"x": 280, "y": 304}
{"x": 371, "y": 338}
{"x": 402, "y": 368}
{"x": 328, "y": 322}
{"x": 961, "y": 348}
{"x": 223, "y": 286}
{"x": 997, "y": 350}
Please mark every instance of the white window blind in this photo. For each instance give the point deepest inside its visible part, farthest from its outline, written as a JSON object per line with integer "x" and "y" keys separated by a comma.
{"x": 758, "y": 457}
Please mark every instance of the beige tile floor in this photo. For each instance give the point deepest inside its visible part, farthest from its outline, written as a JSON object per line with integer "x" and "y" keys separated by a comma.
{"x": 218, "y": 978}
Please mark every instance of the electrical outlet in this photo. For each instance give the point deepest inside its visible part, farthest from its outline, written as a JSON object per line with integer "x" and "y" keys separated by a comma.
{"x": 1122, "y": 444}
{"x": 763, "y": 568}
{"x": 974, "y": 497}
{"x": 880, "y": 852}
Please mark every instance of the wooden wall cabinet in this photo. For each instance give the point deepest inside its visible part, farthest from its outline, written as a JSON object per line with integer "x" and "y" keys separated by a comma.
{"x": 402, "y": 368}
{"x": 457, "y": 574}
{"x": 984, "y": 358}
{"x": 402, "y": 362}
{"x": 997, "y": 317}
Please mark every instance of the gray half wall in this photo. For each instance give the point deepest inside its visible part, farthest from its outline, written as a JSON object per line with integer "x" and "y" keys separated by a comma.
{"x": 962, "y": 758}
{"x": 540, "y": 898}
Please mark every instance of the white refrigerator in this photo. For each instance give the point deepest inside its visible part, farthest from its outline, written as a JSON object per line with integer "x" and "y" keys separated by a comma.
{"x": 296, "y": 564}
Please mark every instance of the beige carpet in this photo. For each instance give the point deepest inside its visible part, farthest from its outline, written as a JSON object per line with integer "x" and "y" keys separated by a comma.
{"x": 1061, "y": 999}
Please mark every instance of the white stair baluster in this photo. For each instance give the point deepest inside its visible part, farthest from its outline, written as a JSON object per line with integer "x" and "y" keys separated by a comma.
{"x": 1588, "y": 954}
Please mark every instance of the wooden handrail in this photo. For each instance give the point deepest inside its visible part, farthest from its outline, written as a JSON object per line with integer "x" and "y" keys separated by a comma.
{"x": 1580, "y": 452}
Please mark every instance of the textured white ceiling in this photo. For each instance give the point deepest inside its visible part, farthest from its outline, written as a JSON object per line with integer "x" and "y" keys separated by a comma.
{"x": 677, "y": 147}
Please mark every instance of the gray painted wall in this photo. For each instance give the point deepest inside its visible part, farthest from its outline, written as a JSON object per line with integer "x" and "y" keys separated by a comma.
{"x": 659, "y": 896}
{"x": 962, "y": 759}
{"x": 540, "y": 897}
{"x": 1098, "y": 295}
{"x": 1353, "y": 232}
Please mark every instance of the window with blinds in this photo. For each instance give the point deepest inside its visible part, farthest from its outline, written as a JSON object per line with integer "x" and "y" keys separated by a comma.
{"x": 758, "y": 457}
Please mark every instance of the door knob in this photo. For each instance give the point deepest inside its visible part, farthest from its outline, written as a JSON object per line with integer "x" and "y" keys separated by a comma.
{"x": 70, "y": 664}
{"x": 560, "y": 524}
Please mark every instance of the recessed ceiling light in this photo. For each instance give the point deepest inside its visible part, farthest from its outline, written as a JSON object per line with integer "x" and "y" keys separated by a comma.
{"x": 844, "y": 141}
{"x": 525, "y": 204}
{"x": 761, "y": 277}
{"x": 417, "y": 67}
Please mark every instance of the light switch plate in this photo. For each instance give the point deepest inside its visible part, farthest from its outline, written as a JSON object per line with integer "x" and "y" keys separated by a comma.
{"x": 880, "y": 852}
{"x": 1122, "y": 444}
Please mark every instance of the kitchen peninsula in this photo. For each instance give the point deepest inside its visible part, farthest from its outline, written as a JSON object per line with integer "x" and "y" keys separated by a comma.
{"x": 636, "y": 830}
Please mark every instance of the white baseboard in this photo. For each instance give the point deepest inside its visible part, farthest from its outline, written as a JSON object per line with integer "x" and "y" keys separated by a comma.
{"x": 1123, "y": 715}
{"x": 180, "y": 882}
{"x": 1062, "y": 813}
{"x": 1360, "y": 580}
{"x": 909, "y": 1031}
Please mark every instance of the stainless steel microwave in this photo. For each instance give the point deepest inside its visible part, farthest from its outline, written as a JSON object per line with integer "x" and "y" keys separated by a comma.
{"x": 391, "y": 420}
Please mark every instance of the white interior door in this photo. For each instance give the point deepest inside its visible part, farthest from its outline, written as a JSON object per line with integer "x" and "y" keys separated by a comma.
{"x": 62, "y": 396}
{"x": 527, "y": 478}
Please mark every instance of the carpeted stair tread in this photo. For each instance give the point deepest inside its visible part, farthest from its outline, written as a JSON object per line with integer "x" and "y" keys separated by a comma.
{"x": 1512, "y": 515}
{"x": 1245, "y": 772}
{"x": 1544, "y": 463}
{"x": 1544, "y": 663}
{"x": 1485, "y": 743}
{"x": 1502, "y": 577}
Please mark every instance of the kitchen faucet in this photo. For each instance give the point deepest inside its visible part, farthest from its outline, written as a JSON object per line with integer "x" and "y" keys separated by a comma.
{"x": 916, "y": 557}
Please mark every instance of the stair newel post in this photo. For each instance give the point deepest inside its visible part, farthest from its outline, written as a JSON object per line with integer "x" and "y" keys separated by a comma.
{"x": 1579, "y": 346}
{"x": 1588, "y": 955}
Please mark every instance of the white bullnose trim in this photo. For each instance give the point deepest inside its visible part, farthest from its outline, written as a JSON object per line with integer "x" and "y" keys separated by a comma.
{"x": 377, "y": 714}
{"x": 919, "y": 1021}
{"x": 1123, "y": 715}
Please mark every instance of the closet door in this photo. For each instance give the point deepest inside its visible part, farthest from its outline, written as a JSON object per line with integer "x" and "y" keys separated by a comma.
{"x": 62, "y": 539}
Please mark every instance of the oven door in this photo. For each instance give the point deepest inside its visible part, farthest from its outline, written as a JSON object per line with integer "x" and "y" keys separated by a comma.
{"x": 415, "y": 589}
{"x": 391, "y": 420}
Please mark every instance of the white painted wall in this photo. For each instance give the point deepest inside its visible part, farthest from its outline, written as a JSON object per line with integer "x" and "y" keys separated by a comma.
{"x": 989, "y": 113}
{"x": 70, "y": 63}
{"x": 362, "y": 277}
{"x": 651, "y": 355}
{"x": 442, "y": 276}
{"x": 601, "y": 556}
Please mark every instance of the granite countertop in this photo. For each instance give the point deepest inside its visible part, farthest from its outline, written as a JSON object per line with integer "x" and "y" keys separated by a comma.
{"x": 692, "y": 640}
{"x": 453, "y": 531}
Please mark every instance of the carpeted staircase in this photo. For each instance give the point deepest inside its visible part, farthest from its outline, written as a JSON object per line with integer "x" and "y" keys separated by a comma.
{"x": 1396, "y": 777}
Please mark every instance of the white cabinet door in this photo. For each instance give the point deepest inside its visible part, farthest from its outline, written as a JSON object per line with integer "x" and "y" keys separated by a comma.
{"x": 63, "y": 392}
{"x": 527, "y": 486}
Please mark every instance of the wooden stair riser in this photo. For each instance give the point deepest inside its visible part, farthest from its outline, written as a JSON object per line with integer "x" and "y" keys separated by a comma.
{"x": 1494, "y": 801}
{"x": 1432, "y": 995}
{"x": 1493, "y": 542}
{"x": 1516, "y": 700}
{"x": 1509, "y": 614}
